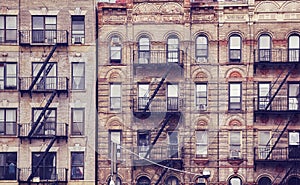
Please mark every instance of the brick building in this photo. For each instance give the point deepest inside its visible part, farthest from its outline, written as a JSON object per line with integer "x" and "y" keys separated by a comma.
{"x": 198, "y": 92}
{"x": 47, "y": 92}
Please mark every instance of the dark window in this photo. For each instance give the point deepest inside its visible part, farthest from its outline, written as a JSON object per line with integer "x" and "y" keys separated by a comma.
{"x": 294, "y": 96}
{"x": 144, "y": 50}
{"x": 265, "y": 181}
{"x": 201, "y": 48}
{"x": 294, "y": 48}
{"x": 44, "y": 29}
{"x": 172, "y": 181}
{"x": 8, "y": 29}
{"x": 235, "y": 93}
{"x": 143, "y": 181}
{"x": 264, "y": 48}
{"x": 235, "y": 46}
{"x": 77, "y": 29}
{"x": 78, "y": 75}
{"x": 143, "y": 142}
{"x": 8, "y": 166}
{"x": 173, "y": 49}
{"x": 201, "y": 96}
{"x": 263, "y": 95}
{"x": 235, "y": 181}
{"x": 47, "y": 168}
{"x": 294, "y": 181}
{"x": 172, "y": 97}
{"x": 294, "y": 145}
{"x": 115, "y": 96}
{"x": 48, "y": 78}
{"x": 8, "y": 75}
{"x": 48, "y": 119}
{"x": 78, "y": 121}
{"x": 143, "y": 95}
{"x": 8, "y": 121}
{"x": 115, "y": 137}
{"x": 173, "y": 144}
{"x": 115, "y": 50}
{"x": 77, "y": 165}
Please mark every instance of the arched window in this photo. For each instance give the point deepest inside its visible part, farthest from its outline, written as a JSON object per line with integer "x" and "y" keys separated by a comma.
{"x": 294, "y": 181}
{"x": 264, "y": 48}
{"x": 235, "y": 48}
{"x": 235, "y": 181}
{"x": 144, "y": 50}
{"x": 294, "y": 47}
{"x": 173, "y": 49}
{"x": 172, "y": 181}
{"x": 201, "y": 48}
{"x": 118, "y": 181}
{"x": 265, "y": 181}
{"x": 143, "y": 181}
{"x": 115, "y": 50}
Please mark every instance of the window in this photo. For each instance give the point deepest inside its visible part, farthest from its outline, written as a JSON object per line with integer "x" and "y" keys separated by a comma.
{"x": 201, "y": 48}
{"x": 48, "y": 78}
{"x": 8, "y": 165}
{"x": 46, "y": 170}
{"x": 264, "y": 48}
{"x": 143, "y": 181}
{"x": 265, "y": 181}
{"x": 173, "y": 49}
{"x": 235, "y": 46}
{"x": 201, "y": 143}
{"x": 77, "y": 29}
{"x": 8, "y": 121}
{"x": 115, "y": 96}
{"x": 235, "y": 181}
{"x": 293, "y": 97}
{"x": 263, "y": 95}
{"x": 143, "y": 96}
{"x": 117, "y": 182}
{"x": 172, "y": 181}
{"x": 235, "y": 93}
{"x": 77, "y": 165}
{"x": 235, "y": 144}
{"x": 264, "y": 144}
{"x": 43, "y": 29}
{"x": 172, "y": 97}
{"x": 201, "y": 96}
{"x": 49, "y": 121}
{"x": 294, "y": 48}
{"x": 78, "y": 75}
{"x": 115, "y": 137}
{"x": 115, "y": 50}
{"x": 78, "y": 121}
{"x": 143, "y": 142}
{"x": 144, "y": 50}
{"x": 8, "y": 75}
{"x": 294, "y": 145}
{"x": 173, "y": 144}
{"x": 293, "y": 181}
{"x": 8, "y": 29}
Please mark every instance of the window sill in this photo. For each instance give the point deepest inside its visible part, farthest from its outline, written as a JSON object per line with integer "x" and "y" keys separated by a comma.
{"x": 116, "y": 64}
{"x": 235, "y": 111}
{"x": 8, "y": 136}
{"x": 234, "y": 63}
{"x": 9, "y": 90}
{"x": 78, "y": 90}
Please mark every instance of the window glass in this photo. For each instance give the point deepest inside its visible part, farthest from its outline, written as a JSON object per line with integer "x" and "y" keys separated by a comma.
{"x": 264, "y": 42}
{"x": 77, "y": 165}
{"x": 78, "y": 78}
{"x": 1, "y": 22}
{"x": 77, "y": 121}
{"x": 294, "y": 138}
{"x": 264, "y": 138}
{"x": 201, "y": 143}
{"x": 172, "y": 90}
{"x": 11, "y": 22}
{"x": 8, "y": 165}
{"x": 201, "y": 46}
{"x": 235, "y": 42}
{"x": 37, "y": 22}
{"x": 294, "y": 42}
{"x": 235, "y": 181}
{"x": 115, "y": 96}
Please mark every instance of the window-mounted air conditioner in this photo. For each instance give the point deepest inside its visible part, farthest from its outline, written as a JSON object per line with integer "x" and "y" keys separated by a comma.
{"x": 234, "y": 154}
{"x": 201, "y": 107}
{"x": 78, "y": 40}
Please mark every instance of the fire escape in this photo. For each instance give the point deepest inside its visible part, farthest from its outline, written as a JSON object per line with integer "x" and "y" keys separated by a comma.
{"x": 158, "y": 106}
{"x": 42, "y": 127}
{"x": 277, "y": 99}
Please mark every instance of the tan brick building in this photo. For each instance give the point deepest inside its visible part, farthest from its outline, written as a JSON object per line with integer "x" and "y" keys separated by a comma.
{"x": 47, "y": 92}
{"x": 199, "y": 92}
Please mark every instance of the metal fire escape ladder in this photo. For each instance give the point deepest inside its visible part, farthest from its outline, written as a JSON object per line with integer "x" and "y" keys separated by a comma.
{"x": 35, "y": 124}
{"x": 164, "y": 123}
{"x": 38, "y": 129}
{"x": 34, "y": 170}
{"x": 36, "y": 78}
{"x": 156, "y": 90}
{"x": 281, "y": 84}
{"x": 46, "y": 72}
{"x": 280, "y": 135}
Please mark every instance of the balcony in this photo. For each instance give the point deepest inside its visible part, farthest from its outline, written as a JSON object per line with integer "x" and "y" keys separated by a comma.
{"x": 45, "y": 84}
{"x": 43, "y": 37}
{"x": 158, "y": 57}
{"x": 48, "y": 130}
{"x": 45, "y": 174}
{"x": 291, "y": 153}
{"x": 279, "y": 105}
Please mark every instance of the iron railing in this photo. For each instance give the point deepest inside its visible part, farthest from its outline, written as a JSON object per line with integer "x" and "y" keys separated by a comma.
{"x": 158, "y": 152}
{"x": 276, "y": 55}
{"x": 48, "y": 130}
{"x": 278, "y": 104}
{"x": 43, "y": 37}
{"x": 44, "y": 83}
{"x": 44, "y": 174}
{"x": 158, "y": 57}
{"x": 278, "y": 154}
{"x": 169, "y": 104}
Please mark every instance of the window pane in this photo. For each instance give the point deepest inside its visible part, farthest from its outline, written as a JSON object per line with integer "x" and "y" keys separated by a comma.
{"x": 115, "y": 90}
{"x": 294, "y": 42}
{"x": 235, "y": 138}
{"x": 50, "y": 20}
{"x": 11, "y": 22}
{"x": 1, "y": 22}
{"x": 264, "y": 42}
{"x": 11, "y": 115}
{"x": 293, "y": 89}
{"x": 294, "y": 138}
{"x": 115, "y": 52}
{"x": 143, "y": 90}
{"x": 264, "y": 137}
{"x": 78, "y": 80}
{"x": 115, "y": 137}
{"x": 235, "y": 181}
{"x": 201, "y": 137}
{"x": 235, "y": 89}
{"x": 173, "y": 90}
{"x": 11, "y": 35}
{"x": 37, "y": 22}
{"x": 235, "y": 42}
{"x": 264, "y": 89}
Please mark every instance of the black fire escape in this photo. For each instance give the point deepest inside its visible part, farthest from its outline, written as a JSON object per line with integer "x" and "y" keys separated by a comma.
{"x": 41, "y": 127}
{"x": 277, "y": 102}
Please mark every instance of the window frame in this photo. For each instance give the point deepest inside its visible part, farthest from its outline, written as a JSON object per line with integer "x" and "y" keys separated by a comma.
{"x": 237, "y": 145}
{"x": 265, "y": 52}
{"x": 75, "y": 36}
{"x": 233, "y": 50}
{"x": 5, "y": 122}
{"x": 115, "y": 47}
{"x": 112, "y": 97}
{"x": 119, "y": 150}
{"x": 173, "y": 54}
{"x": 199, "y": 96}
{"x": 7, "y": 30}
{"x": 291, "y": 98}
{"x": 293, "y": 52}
{"x": 82, "y": 77}
{"x": 6, "y": 76}
{"x": 172, "y": 99}
{"x": 201, "y": 144}
{"x": 77, "y": 167}
{"x": 144, "y": 50}
{"x": 143, "y": 147}
{"x": 230, "y": 102}
{"x": 199, "y": 45}
{"x": 9, "y": 168}
{"x": 82, "y": 110}
{"x": 43, "y": 31}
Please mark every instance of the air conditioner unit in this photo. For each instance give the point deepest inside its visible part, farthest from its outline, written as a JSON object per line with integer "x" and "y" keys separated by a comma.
{"x": 235, "y": 154}
{"x": 201, "y": 59}
{"x": 201, "y": 107}
{"x": 77, "y": 40}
